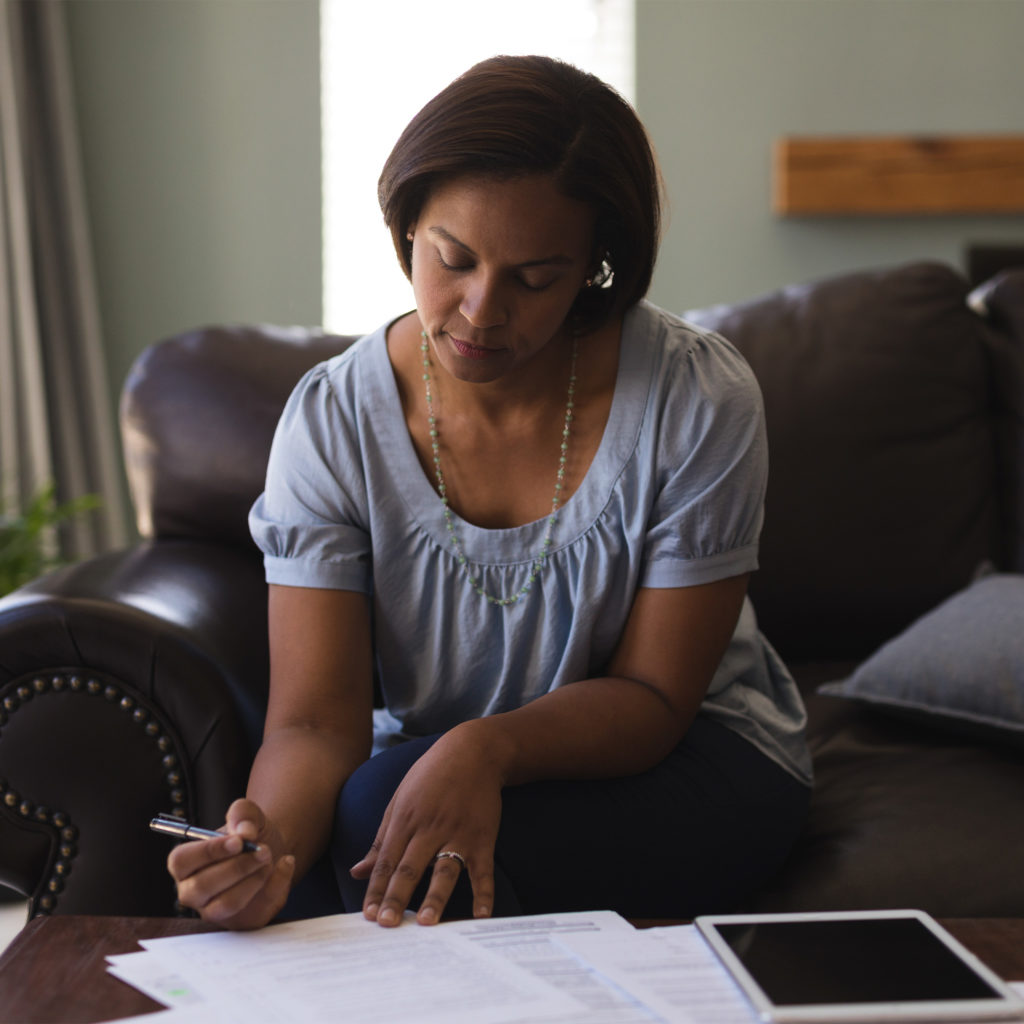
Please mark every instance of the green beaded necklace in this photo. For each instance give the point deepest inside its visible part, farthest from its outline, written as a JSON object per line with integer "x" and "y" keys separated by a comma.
{"x": 442, "y": 490}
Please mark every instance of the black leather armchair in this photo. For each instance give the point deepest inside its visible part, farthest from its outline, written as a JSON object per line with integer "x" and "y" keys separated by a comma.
{"x": 135, "y": 683}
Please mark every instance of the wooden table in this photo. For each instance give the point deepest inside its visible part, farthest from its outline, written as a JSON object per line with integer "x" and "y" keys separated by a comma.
{"x": 55, "y": 971}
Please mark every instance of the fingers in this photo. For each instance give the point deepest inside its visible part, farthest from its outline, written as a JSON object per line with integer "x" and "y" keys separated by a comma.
{"x": 226, "y": 885}
{"x": 187, "y": 859}
{"x": 392, "y": 885}
{"x": 255, "y": 901}
{"x": 243, "y": 891}
{"x": 208, "y": 867}
{"x": 245, "y": 818}
{"x": 482, "y": 880}
{"x": 448, "y": 865}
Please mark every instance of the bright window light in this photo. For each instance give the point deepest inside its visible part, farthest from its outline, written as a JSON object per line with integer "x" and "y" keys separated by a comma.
{"x": 380, "y": 63}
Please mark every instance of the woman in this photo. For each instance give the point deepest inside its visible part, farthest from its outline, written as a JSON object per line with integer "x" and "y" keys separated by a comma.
{"x": 529, "y": 509}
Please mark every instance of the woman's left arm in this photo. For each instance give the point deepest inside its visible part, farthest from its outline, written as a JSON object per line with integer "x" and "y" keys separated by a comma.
{"x": 632, "y": 718}
{"x": 620, "y": 724}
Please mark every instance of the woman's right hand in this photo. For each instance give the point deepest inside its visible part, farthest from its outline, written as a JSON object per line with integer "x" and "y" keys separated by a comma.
{"x": 226, "y": 886}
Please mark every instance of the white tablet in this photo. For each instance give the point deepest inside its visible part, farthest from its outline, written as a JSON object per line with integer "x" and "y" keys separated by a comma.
{"x": 856, "y": 966}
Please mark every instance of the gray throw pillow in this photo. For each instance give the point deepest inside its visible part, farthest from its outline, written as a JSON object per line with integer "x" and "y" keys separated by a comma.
{"x": 960, "y": 666}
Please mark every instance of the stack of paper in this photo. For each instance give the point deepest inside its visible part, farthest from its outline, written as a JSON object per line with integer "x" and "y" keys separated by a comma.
{"x": 590, "y": 968}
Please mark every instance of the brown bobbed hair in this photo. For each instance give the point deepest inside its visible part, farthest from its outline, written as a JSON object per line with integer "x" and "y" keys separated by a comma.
{"x": 515, "y": 116}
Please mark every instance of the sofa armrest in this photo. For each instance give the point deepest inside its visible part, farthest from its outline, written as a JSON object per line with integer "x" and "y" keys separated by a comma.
{"x": 130, "y": 684}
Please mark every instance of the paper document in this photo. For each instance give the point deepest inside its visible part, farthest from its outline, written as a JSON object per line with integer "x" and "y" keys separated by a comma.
{"x": 149, "y": 976}
{"x": 534, "y": 944}
{"x": 581, "y": 968}
{"x": 345, "y": 967}
{"x": 495, "y": 971}
{"x": 670, "y": 970}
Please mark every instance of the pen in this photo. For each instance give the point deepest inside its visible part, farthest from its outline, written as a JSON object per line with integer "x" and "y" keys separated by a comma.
{"x": 179, "y": 827}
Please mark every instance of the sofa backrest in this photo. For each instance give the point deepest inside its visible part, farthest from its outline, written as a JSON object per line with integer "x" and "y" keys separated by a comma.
{"x": 889, "y": 484}
{"x": 895, "y": 410}
{"x": 198, "y": 413}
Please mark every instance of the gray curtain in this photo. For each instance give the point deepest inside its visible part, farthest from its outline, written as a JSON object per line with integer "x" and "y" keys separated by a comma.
{"x": 56, "y": 413}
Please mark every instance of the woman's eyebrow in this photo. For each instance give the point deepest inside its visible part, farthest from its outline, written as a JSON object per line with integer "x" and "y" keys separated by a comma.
{"x": 557, "y": 260}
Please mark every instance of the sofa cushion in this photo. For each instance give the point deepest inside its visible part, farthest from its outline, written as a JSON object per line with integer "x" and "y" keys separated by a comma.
{"x": 903, "y": 816}
{"x": 881, "y": 494}
{"x": 961, "y": 666}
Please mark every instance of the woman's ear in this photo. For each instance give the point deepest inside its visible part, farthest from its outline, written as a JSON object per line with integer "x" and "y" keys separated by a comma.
{"x": 410, "y": 234}
{"x": 601, "y": 274}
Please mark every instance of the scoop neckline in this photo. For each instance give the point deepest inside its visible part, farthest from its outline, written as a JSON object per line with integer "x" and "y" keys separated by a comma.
{"x": 516, "y": 544}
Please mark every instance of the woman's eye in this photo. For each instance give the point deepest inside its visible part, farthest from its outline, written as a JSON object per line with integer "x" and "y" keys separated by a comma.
{"x": 535, "y": 286}
{"x": 456, "y": 265}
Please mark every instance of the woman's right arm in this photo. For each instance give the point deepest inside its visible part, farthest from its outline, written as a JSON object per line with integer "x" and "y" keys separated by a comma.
{"x": 319, "y": 729}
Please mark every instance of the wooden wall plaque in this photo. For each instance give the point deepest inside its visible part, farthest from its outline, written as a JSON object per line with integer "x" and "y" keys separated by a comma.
{"x": 899, "y": 175}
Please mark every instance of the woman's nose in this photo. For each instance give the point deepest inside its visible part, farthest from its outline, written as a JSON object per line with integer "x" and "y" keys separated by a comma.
{"x": 482, "y": 303}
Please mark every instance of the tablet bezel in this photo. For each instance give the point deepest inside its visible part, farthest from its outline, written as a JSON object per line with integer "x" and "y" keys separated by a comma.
{"x": 1007, "y": 1005}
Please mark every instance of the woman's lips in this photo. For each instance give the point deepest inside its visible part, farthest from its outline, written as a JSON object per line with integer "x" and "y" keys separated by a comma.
{"x": 471, "y": 351}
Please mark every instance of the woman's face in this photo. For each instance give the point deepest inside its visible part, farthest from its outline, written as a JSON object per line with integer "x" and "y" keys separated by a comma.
{"x": 496, "y": 268}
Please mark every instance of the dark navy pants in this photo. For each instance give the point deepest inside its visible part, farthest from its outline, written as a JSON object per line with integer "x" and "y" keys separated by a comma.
{"x": 694, "y": 834}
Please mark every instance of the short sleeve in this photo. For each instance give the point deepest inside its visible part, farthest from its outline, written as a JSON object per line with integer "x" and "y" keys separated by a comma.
{"x": 712, "y": 468}
{"x": 310, "y": 521}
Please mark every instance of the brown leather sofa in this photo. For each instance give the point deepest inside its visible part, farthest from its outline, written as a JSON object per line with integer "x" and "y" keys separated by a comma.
{"x": 134, "y": 683}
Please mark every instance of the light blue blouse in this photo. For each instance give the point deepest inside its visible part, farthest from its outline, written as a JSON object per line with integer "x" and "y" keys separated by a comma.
{"x": 673, "y": 498}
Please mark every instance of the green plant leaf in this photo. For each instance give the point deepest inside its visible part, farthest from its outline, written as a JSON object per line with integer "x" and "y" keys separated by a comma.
{"x": 24, "y": 548}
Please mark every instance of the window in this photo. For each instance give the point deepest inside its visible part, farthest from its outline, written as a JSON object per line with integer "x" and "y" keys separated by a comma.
{"x": 381, "y": 61}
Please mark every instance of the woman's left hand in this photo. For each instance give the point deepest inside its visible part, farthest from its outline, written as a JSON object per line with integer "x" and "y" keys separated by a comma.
{"x": 449, "y": 801}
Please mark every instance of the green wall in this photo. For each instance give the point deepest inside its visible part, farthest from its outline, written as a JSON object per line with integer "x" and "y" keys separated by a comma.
{"x": 719, "y": 80}
{"x": 200, "y": 134}
{"x": 200, "y": 128}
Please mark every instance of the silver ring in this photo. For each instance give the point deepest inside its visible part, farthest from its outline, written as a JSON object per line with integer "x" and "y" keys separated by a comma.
{"x": 453, "y": 855}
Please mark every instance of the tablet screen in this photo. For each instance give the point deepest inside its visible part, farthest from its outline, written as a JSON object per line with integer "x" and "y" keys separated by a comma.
{"x": 853, "y": 961}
